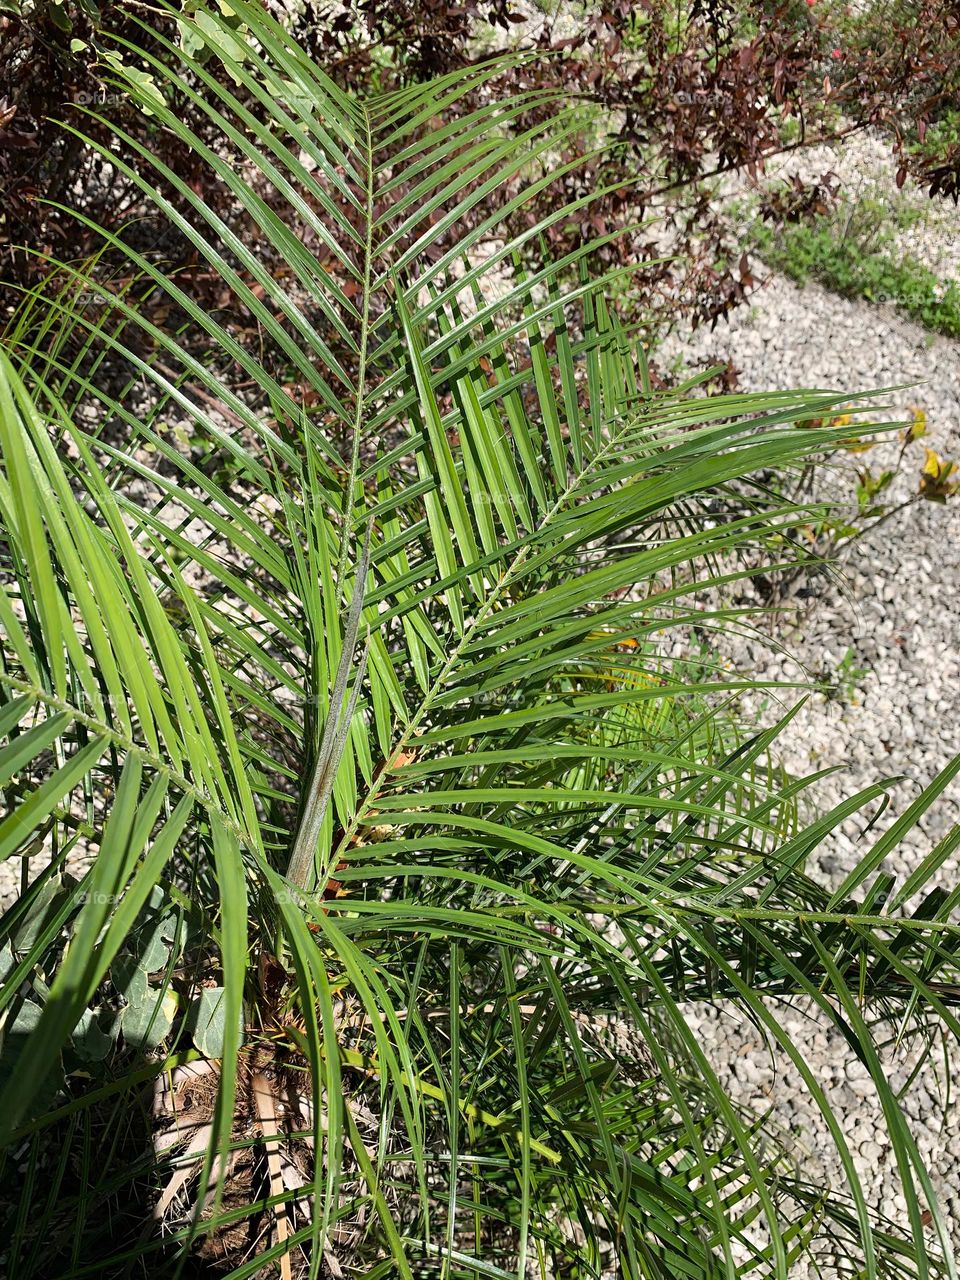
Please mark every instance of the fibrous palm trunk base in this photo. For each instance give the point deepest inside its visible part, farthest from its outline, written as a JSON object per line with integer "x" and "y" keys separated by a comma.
{"x": 272, "y": 1153}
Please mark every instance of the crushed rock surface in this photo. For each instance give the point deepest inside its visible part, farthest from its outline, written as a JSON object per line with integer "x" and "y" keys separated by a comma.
{"x": 894, "y": 616}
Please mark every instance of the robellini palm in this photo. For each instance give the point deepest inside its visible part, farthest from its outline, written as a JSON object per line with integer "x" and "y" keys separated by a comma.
{"x": 389, "y": 852}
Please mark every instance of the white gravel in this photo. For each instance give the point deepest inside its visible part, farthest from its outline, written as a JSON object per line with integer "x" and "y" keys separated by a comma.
{"x": 897, "y": 611}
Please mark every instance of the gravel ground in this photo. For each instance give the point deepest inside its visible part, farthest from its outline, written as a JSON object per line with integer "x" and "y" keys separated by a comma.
{"x": 895, "y": 611}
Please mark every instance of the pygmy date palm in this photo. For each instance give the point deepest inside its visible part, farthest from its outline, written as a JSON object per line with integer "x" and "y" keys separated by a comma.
{"x": 388, "y": 850}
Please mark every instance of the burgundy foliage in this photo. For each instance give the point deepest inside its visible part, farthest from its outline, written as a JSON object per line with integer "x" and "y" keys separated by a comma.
{"x": 673, "y": 97}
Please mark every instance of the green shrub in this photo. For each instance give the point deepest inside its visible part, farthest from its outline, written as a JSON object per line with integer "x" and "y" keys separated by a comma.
{"x": 820, "y": 251}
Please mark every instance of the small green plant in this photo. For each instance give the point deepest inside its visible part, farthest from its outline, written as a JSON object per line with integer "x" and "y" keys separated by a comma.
{"x": 838, "y": 524}
{"x": 941, "y": 136}
{"x": 843, "y": 683}
{"x": 936, "y": 479}
{"x": 852, "y": 263}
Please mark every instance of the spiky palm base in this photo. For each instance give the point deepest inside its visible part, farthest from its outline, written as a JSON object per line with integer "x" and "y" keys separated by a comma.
{"x": 270, "y": 1155}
